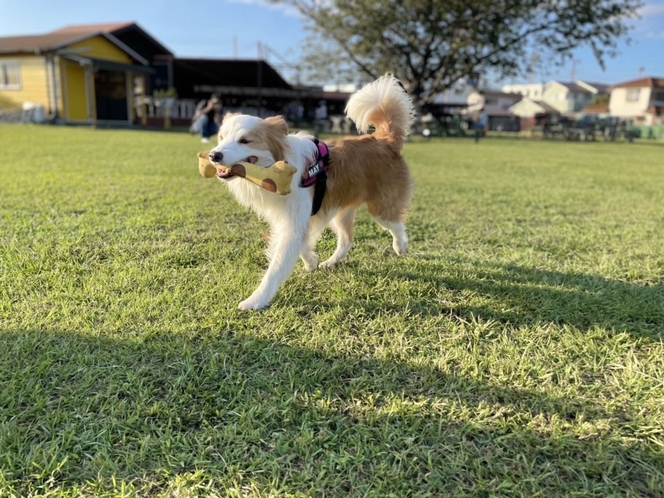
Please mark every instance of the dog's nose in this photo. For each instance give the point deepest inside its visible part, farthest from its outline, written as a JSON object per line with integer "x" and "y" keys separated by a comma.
{"x": 216, "y": 157}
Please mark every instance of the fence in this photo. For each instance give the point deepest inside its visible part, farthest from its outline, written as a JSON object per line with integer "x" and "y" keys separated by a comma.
{"x": 652, "y": 132}
{"x": 28, "y": 114}
{"x": 161, "y": 107}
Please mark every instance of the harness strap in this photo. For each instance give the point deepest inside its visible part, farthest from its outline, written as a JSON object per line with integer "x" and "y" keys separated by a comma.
{"x": 316, "y": 175}
{"x": 319, "y": 192}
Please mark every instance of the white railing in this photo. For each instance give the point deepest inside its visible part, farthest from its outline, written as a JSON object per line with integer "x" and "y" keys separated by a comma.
{"x": 159, "y": 107}
{"x": 29, "y": 113}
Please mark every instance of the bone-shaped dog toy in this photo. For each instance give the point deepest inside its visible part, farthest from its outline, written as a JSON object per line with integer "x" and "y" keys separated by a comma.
{"x": 276, "y": 178}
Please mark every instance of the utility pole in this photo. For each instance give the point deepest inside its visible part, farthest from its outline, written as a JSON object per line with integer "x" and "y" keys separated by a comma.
{"x": 532, "y": 70}
{"x": 261, "y": 50}
{"x": 572, "y": 75}
{"x": 259, "y": 75}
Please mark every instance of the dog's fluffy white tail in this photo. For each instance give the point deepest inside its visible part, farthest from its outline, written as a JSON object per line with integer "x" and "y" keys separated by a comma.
{"x": 385, "y": 105}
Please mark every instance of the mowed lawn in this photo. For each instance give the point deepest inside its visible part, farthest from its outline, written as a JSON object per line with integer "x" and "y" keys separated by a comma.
{"x": 516, "y": 350}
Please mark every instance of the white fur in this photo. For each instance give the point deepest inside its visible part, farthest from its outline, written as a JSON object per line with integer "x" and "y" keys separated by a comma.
{"x": 386, "y": 95}
{"x": 288, "y": 216}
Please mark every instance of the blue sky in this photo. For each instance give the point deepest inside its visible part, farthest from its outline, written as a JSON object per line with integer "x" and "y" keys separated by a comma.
{"x": 207, "y": 28}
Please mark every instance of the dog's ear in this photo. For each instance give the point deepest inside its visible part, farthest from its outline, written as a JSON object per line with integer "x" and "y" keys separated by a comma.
{"x": 278, "y": 123}
{"x": 229, "y": 115}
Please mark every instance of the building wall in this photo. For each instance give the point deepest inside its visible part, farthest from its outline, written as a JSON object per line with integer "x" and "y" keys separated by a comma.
{"x": 492, "y": 104}
{"x": 533, "y": 91}
{"x": 74, "y": 79}
{"x": 565, "y": 101}
{"x": 657, "y": 97}
{"x": 504, "y": 103}
{"x": 559, "y": 97}
{"x": 525, "y": 109}
{"x": 74, "y": 104}
{"x": 619, "y": 105}
{"x": 37, "y": 85}
{"x": 458, "y": 94}
{"x": 33, "y": 78}
{"x": 99, "y": 47}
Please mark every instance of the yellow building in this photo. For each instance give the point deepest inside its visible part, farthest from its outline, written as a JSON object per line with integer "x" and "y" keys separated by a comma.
{"x": 79, "y": 76}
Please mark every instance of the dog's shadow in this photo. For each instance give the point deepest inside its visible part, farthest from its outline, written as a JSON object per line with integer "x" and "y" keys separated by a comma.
{"x": 523, "y": 296}
{"x": 245, "y": 411}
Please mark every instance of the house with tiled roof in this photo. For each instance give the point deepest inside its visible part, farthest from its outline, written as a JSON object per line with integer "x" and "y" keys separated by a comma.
{"x": 80, "y": 74}
{"x": 109, "y": 74}
{"x": 571, "y": 97}
{"x": 641, "y": 100}
{"x": 496, "y": 105}
{"x": 529, "y": 108}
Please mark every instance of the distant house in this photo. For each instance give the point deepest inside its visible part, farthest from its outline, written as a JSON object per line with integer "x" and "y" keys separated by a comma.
{"x": 570, "y": 98}
{"x": 596, "y": 88}
{"x": 132, "y": 35}
{"x": 108, "y": 74}
{"x": 451, "y": 102}
{"x": 237, "y": 81}
{"x": 497, "y": 105}
{"x": 564, "y": 97}
{"x": 456, "y": 95}
{"x": 81, "y": 74}
{"x": 641, "y": 100}
{"x": 532, "y": 111}
{"x": 534, "y": 91}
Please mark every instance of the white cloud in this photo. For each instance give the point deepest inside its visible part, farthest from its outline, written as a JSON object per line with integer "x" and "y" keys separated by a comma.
{"x": 287, "y": 9}
{"x": 652, "y": 9}
{"x": 651, "y": 23}
{"x": 654, "y": 35}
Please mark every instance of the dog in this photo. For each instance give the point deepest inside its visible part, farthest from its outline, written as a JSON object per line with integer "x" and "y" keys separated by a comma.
{"x": 366, "y": 169}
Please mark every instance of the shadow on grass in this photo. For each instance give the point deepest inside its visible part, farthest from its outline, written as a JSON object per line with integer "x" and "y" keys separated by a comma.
{"x": 76, "y": 408}
{"x": 526, "y": 296}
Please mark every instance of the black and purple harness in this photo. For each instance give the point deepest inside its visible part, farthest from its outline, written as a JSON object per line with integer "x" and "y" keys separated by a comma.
{"x": 316, "y": 175}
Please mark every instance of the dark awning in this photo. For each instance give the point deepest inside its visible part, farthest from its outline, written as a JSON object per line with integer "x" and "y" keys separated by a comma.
{"x": 108, "y": 65}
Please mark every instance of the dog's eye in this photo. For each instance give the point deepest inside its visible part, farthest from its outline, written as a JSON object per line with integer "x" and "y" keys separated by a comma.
{"x": 243, "y": 141}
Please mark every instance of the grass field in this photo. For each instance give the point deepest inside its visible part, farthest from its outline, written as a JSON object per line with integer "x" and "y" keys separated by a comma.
{"x": 516, "y": 350}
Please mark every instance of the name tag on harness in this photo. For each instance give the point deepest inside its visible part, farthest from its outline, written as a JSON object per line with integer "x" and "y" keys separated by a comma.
{"x": 318, "y": 167}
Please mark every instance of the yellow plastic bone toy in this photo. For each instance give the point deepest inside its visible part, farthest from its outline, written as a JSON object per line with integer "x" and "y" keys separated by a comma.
{"x": 276, "y": 178}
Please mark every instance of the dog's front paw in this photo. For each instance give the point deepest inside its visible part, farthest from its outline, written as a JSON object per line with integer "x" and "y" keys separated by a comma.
{"x": 253, "y": 303}
{"x": 329, "y": 264}
{"x": 310, "y": 261}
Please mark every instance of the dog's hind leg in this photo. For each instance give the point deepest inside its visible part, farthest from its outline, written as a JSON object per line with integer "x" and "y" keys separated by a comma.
{"x": 286, "y": 243}
{"x": 391, "y": 219}
{"x": 342, "y": 224}
{"x": 316, "y": 227}
{"x": 398, "y": 231}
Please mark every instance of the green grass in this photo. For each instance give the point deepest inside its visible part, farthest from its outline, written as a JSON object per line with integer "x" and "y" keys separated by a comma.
{"x": 516, "y": 350}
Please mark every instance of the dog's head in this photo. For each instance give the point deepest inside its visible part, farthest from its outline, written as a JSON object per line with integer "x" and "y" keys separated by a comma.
{"x": 250, "y": 139}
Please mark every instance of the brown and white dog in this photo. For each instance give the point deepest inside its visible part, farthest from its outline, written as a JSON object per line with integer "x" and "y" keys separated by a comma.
{"x": 365, "y": 169}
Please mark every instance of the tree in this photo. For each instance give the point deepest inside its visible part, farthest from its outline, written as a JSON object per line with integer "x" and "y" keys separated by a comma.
{"x": 431, "y": 44}
{"x": 600, "y": 99}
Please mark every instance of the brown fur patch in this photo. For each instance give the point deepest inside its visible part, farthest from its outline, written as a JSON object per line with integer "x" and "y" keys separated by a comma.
{"x": 270, "y": 135}
{"x": 229, "y": 115}
{"x": 369, "y": 169}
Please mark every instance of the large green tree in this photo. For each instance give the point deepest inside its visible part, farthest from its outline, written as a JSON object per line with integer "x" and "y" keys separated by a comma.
{"x": 431, "y": 44}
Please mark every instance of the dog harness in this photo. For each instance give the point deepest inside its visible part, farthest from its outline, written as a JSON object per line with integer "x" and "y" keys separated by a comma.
{"x": 316, "y": 175}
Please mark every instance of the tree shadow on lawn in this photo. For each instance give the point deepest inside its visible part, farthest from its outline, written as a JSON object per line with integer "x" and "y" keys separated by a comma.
{"x": 526, "y": 296}
{"x": 76, "y": 408}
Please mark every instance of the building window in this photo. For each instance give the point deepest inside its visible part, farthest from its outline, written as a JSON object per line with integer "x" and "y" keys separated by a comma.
{"x": 659, "y": 97}
{"x": 10, "y": 76}
{"x": 633, "y": 94}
